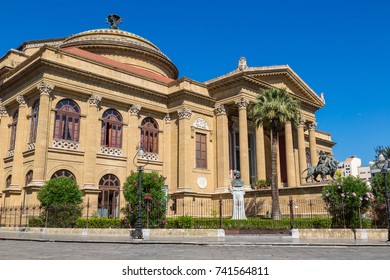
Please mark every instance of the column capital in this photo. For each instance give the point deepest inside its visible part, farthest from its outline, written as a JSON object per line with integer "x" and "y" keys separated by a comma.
{"x": 3, "y": 110}
{"x": 134, "y": 109}
{"x": 312, "y": 125}
{"x": 167, "y": 118}
{"x": 301, "y": 121}
{"x": 184, "y": 113}
{"x": 21, "y": 100}
{"x": 45, "y": 89}
{"x": 220, "y": 109}
{"x": 94, "y": 100}
{"x": 242, "y": 103}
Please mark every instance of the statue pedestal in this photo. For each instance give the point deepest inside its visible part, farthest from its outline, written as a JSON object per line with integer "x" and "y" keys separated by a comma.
{"x": 238, "y": 203}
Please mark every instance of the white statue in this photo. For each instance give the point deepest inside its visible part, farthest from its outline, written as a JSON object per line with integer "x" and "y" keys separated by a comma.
{"x": 238, "y": 192}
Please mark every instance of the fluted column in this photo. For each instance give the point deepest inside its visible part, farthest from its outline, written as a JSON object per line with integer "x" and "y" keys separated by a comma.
{"x": 242, "y": 105}
{"x": 222, "y": 148}
{"x": 301, "y": 150}
{"x": 260, "y": 153}
{"x": 291, "y": 181}
{"x": 133, "y": 136}
{"x": 92, "y": 143}
{"x": 186, "y": 158}
{"x": 312, "y": 143}
{"x": 3, "y": 131}
{"x": 42, "y": 136}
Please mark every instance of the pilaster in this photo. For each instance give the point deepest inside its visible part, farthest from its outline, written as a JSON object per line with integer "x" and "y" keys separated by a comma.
{"x": 133, "y": 136}
{"x": 42, "y": 136}
{"x": 222, "y": 146}
{"x": 4, "y": 119}
{"x": 92, "y": 143}
{"x": 167, "y": 158}
{"x": 186, "y": 163}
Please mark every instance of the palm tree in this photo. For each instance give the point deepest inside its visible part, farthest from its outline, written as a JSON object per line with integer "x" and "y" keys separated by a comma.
{"x": 385, "y": 151}
{"x": 273, "y": 109}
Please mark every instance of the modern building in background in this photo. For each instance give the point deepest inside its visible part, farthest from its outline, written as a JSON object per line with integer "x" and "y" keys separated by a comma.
{"x": 349, "y": 167}
{"x": 80, "y": 106}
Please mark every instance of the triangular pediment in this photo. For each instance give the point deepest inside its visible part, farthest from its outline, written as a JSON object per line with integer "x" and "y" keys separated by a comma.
{"x": 285, "y": 77}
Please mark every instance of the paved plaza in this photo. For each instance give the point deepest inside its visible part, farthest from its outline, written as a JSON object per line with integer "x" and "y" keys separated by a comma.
{"x": 19, "y": 245}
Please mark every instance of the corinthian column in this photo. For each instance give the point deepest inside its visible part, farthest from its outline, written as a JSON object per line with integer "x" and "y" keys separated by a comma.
{"x": 301, "y": 150}
{"x": 291, "y": 181}
{"x": 260, "y": 153}
{"x": 42, "y": 139}
{"x": 242, "y": 105}
{"x": 92, "y": 140}
{"x": 186, "y": 155}
{"x": 222, "y": 148}
{"x": 312, "y": 143}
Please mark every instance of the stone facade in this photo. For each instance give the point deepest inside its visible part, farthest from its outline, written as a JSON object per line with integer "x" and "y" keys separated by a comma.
{"x": 80, "y": 107}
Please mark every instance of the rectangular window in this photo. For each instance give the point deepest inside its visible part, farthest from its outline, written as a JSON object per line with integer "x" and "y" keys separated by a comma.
{"x": 201, "y": 150}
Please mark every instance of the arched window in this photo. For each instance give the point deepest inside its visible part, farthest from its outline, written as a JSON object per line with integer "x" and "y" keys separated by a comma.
{"x": 67, "y": 121}
{"x": 111, "y": 134}
{"x": 34, "y": 122}
{"x": 63, "y": 173}
{"x": 29, "y": 177}
{"x": 149, "y": 135}
{"x": 108, "y": 200}
{"x": 14, "y": 125}
{"x": 8, "y": 181}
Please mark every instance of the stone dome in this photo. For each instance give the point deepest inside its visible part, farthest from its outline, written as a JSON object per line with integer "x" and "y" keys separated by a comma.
{"x": 124, "y": 47}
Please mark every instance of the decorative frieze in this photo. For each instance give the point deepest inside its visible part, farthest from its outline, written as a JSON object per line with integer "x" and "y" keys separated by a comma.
{"x": 134, "y": 109}
{"x": 201, "y": 123}
{"x": 111, "y": 151}
{"x": 184, "y": 113}
{"x": 94, "y": 100}
{"x": 45, "y": 89}
{"x": 220, "y": 109}
{"x": 66, "y": 145}
{"x": 242, "y": 103}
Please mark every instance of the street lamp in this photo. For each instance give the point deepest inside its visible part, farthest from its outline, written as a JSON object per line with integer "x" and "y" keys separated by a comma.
{"x": 137, "y": 233}
{"x": 383, "y": 164}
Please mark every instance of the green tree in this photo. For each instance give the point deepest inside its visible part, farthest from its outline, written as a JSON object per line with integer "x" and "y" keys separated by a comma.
{"x": 272, "y": 110}
{"x": 61, "y": 199}
{"x": 346, "y": 198}
{"x": 153, "y": 197}
{"x": 383, "y": 150}
{"x": 379, "y": 205}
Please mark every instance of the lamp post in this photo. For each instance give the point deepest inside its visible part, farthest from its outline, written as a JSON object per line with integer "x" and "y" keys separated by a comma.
{"x": 383, "y": 164}
{"x": 137, "y": 233}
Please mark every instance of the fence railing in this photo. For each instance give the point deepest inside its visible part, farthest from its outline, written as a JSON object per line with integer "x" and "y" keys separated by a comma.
{"x": 155, "y": 214}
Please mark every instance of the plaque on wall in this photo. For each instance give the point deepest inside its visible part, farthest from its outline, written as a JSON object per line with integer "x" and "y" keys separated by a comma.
{"x": 202, "y": 181}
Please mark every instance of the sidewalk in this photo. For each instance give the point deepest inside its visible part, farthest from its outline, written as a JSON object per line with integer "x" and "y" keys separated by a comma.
{"x": 228, "y": 240}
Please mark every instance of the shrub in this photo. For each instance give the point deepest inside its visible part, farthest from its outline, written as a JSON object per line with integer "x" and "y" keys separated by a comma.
{"x": 346, "y": 199}
{"x": 101, "y": 223}
{"x": 153, "y": 199}
{"x": 61, "y": 201}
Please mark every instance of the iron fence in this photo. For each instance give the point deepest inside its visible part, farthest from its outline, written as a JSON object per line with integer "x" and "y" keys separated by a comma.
{"x": 155, "y": 214}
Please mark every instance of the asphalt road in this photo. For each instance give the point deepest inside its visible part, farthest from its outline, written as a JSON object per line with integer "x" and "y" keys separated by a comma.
{"x": 33, "y": 250}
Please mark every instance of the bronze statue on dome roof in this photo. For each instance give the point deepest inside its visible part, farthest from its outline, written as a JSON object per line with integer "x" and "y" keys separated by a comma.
{"x": 114, "y": 20}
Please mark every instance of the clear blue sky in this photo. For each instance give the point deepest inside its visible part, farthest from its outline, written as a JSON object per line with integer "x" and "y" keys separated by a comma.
{"x": 341, "y": 48}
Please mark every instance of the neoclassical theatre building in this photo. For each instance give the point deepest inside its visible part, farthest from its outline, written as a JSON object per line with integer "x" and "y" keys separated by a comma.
{"x": 80, "y": 107}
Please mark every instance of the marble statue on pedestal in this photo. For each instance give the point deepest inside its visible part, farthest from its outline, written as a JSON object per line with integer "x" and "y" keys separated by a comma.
{"x": 237, "y": 189}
